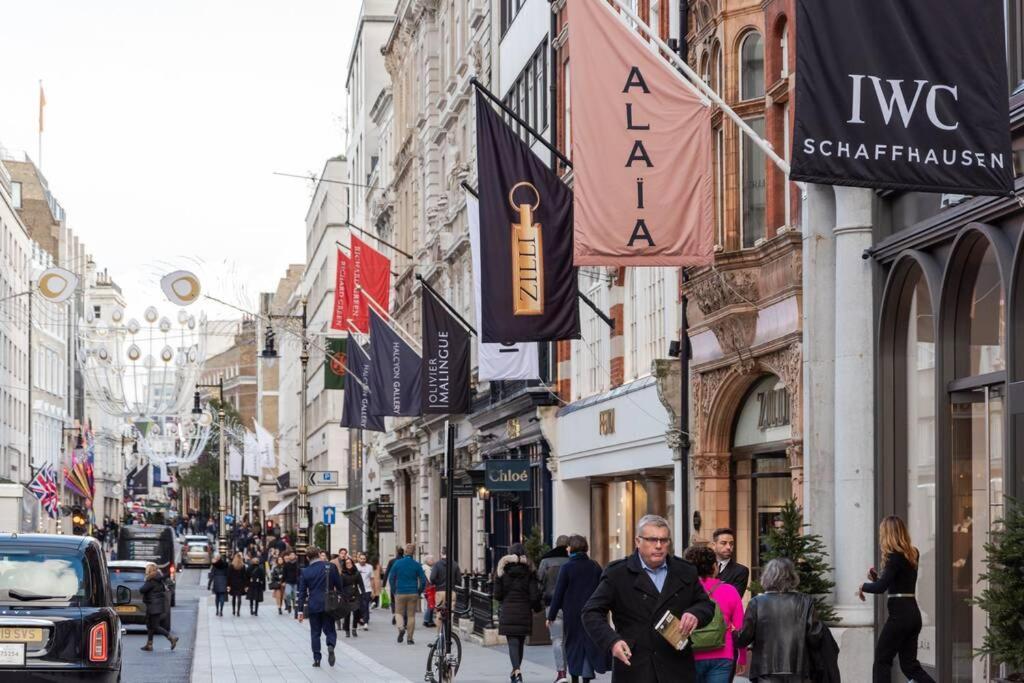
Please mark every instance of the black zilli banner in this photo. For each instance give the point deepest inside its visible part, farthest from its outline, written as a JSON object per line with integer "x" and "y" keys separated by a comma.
{"x": 446, "y": 360}
{"x": 394, "y": 372}
{"x": 902, "y": 94}
{"x": 527, "y": 280}
{"x": 355, "y": 412}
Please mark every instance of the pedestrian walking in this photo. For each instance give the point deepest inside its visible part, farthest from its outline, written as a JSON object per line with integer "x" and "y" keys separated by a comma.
{"x": 439, "y": 578}
{"x": 547, "y": 574}
{"x": 352, "y": 582}
{"x": 429, "y": 593}
{"x": 518, "y": 591}
{"x": 399, "y": 554}
{"x": 217, "y": 581}
{"x": 723, "y": 542}
{"x": 154, "y": 595}
{"x": 315, "y": 581}
{"x": 578, "y": 578}
{"x": 717, "y": 664}
{"x": 781, "y": 625}
{"x": 638, "y": 591}
{"x": 376, "y": 582}
{"x": 407, "y": 582}
{"x": 257, "y": 584}
{"x": 291, "y": 581}
{"x": 366, "y": 571}
{"x": 903, "y": 625}
{"x": 237, "y": 583}
{"x": 277, "y": 582}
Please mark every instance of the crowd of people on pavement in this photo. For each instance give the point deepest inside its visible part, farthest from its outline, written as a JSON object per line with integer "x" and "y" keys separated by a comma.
{"x": 599, "y": 619}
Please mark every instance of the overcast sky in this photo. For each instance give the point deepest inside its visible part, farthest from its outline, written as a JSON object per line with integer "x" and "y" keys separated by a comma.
{"x": 164, "y": 124}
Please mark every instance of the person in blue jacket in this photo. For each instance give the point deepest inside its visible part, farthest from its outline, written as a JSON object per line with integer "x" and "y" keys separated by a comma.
{"x": 407, "y": 582}
{"x": 311, "y": 602}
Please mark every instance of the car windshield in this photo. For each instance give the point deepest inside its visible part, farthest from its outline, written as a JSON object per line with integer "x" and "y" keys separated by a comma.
{"x": 41, "y": 577}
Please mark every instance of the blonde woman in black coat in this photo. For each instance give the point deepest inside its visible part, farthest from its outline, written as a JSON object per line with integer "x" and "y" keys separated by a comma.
{"x": 238, "y": 583}
{"x": 257, "y": 584}
{"x": 518, "y": 591}
{"x": 154, "y": 595}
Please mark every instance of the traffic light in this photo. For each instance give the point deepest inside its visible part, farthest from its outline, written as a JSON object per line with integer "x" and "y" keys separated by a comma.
{"x": 79, "y": 521}
{"x": 270, "y": 527}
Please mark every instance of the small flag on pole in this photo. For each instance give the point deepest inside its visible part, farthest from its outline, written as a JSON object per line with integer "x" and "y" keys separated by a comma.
{"x": 42, "y": 105}
{"x": 334, "y": 364}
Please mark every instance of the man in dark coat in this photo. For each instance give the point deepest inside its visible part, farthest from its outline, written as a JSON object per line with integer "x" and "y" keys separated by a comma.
{"x": 314, "y": 581}
{"x": 577, "y": 581}
{"x": 723, "y": 542}
{"x": 638, "y": 591}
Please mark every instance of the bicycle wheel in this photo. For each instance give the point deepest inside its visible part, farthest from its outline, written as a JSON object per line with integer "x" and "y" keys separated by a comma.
{"x": 456, "y": 655}
{"x": 434, "y": 664}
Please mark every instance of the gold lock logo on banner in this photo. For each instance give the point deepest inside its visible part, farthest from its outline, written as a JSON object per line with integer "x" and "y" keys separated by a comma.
{"x": 527, "y": 257}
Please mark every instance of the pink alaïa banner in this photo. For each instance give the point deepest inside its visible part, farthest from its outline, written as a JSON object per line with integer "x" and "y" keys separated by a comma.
{"x": 641, "y": 149}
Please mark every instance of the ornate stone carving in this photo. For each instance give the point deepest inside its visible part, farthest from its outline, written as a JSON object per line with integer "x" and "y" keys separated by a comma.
{"x": 705, "y": 389}
{"x": 735, "y": 332}
{"x": 718, "y": 289}
{"x": 711, "y": 465}
{"x": 787, "y": 365}
{"x": 795, "y": 454}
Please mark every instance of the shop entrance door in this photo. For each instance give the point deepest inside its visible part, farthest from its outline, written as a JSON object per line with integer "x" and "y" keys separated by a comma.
{"x": 761, "y": 486}
{"x": 977, "y": 504}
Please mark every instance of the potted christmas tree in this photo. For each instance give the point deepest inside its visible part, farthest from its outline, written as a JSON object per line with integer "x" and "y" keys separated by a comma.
{"x": 807, "y": 551}
{"x": 1003, "y": 596}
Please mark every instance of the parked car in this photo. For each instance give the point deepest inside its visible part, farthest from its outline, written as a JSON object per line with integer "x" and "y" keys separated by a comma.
{"x": 58, "y": 617}
{"x": 196, "y": 551}
{"x": 150, "y": 543}
{"x": 132, "y": 574}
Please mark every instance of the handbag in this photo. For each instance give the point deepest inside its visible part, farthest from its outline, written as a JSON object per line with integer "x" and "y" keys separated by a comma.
{"x": 712, "y": 636}
{"x": 333, "y": 604}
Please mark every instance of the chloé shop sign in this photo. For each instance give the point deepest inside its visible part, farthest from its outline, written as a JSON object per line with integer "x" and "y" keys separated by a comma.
{"x": 507, "y": 475}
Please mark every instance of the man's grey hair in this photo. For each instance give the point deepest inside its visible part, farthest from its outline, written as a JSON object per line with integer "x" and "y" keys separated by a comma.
{"x": 780, "y": 575}
{"x": 562, "y": 541}
{"x": 652, "y": 520}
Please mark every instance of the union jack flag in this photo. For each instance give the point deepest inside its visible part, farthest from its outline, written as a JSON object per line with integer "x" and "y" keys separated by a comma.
{"x": 44, "y": 488}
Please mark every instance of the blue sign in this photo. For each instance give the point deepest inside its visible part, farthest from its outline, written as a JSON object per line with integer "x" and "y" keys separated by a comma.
{"x": 328, "y": 514}
{"x": 229, "y": 519}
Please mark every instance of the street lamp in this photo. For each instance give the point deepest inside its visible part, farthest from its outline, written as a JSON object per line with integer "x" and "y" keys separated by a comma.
{"x": 222, "y": 541}
{"x": 269, "y": 355}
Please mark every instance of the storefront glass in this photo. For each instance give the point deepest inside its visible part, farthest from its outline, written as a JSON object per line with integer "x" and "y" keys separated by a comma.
{"x": 617, "y": 506}
{"x": 920, "y": 434}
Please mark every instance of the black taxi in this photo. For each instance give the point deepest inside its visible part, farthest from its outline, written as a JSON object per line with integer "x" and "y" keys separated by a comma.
{"x": 57, "y": 611}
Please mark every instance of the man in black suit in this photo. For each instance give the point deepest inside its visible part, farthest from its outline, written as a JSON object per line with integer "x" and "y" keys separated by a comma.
{"x": 638, "y": 591}
{"x": 315, "y": 581}
{"x": 723, "y": 542}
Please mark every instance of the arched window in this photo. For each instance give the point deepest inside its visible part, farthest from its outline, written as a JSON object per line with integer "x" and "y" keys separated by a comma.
{"x": 784, "y": 48}
{"x": 752, "y": 66}
{"x": 716, "y": 68}
{"x": 705, "y": 68}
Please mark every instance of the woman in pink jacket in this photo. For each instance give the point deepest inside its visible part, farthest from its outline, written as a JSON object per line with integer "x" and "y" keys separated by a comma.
{"x": 716, "y": 666}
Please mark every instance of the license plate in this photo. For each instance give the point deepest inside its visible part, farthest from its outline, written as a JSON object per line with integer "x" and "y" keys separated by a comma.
{"x": 12, "y": 654}
{"x": 20, "y": 634}
{"x": 126, "y": 609}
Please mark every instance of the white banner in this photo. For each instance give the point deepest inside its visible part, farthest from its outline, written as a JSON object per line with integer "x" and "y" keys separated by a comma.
{"x": 250, "y": 455}
{"x": 234, "y": 464}
{"x": 265, "y": 441}
{"x": 496, "y": 361}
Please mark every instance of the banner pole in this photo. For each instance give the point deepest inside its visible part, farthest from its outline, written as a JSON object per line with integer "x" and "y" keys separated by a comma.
{"x": 515, "y": 117}
{"x": 392, "y": 323}
{"x": 697, "y": 84}
{"x": 449, "y": 569}
{"x": 444, "y": 303}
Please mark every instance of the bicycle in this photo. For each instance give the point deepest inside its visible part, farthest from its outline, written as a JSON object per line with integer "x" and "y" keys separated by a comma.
{"x": 442, "y": 665}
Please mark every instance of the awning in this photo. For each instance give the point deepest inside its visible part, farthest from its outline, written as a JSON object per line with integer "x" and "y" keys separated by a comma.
{"x": 280, "y": 507}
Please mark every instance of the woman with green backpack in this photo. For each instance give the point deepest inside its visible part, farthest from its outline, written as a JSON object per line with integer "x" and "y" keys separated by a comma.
{"x": 713, "y": 649}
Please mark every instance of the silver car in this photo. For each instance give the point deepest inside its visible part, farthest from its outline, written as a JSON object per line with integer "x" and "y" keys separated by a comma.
{"x": 197, "y": 550}
{"x": 132, "y": 574}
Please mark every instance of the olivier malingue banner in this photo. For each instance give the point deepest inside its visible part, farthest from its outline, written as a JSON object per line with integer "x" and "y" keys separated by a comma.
{"x": 902, "y": 95}
{"x": 446, "y": 360}
{"x": 528, "y": 282}
{"x": 355, "y": 411}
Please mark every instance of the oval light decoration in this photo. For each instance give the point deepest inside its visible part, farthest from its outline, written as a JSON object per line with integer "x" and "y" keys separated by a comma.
{"x": 57, "y": 284}
{"x": 181, "y": 287}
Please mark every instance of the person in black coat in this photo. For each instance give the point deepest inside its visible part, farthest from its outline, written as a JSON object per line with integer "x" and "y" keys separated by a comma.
{"x": 154, "y": 595}
{"x": 352, "y": 589}
{"x": 256, "y": 585}
{"x": 723, "y": 542}
{"x": 238, "y": 583}
{"x": 217, "y": 581}
{"x": 782, "y": 626}
{"x": 518, "y": 591}
{"x": 577, "y": 580}
{"x": 638, "y": 591}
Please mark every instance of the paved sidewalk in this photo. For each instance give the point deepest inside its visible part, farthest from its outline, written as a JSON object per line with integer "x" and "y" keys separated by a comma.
{"x": 273, "y": 647}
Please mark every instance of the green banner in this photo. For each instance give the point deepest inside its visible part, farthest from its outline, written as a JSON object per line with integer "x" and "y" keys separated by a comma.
{"x": 335, "y": 363}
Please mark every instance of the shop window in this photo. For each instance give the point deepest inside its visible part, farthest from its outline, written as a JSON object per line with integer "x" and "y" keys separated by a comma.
{"x": 752, "y": 66}
{"x": 987, "y": 319}
{"x": 919, "y": 397}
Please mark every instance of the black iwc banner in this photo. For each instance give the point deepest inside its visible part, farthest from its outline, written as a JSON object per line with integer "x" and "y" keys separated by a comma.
{"x": 903, "y": 95}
